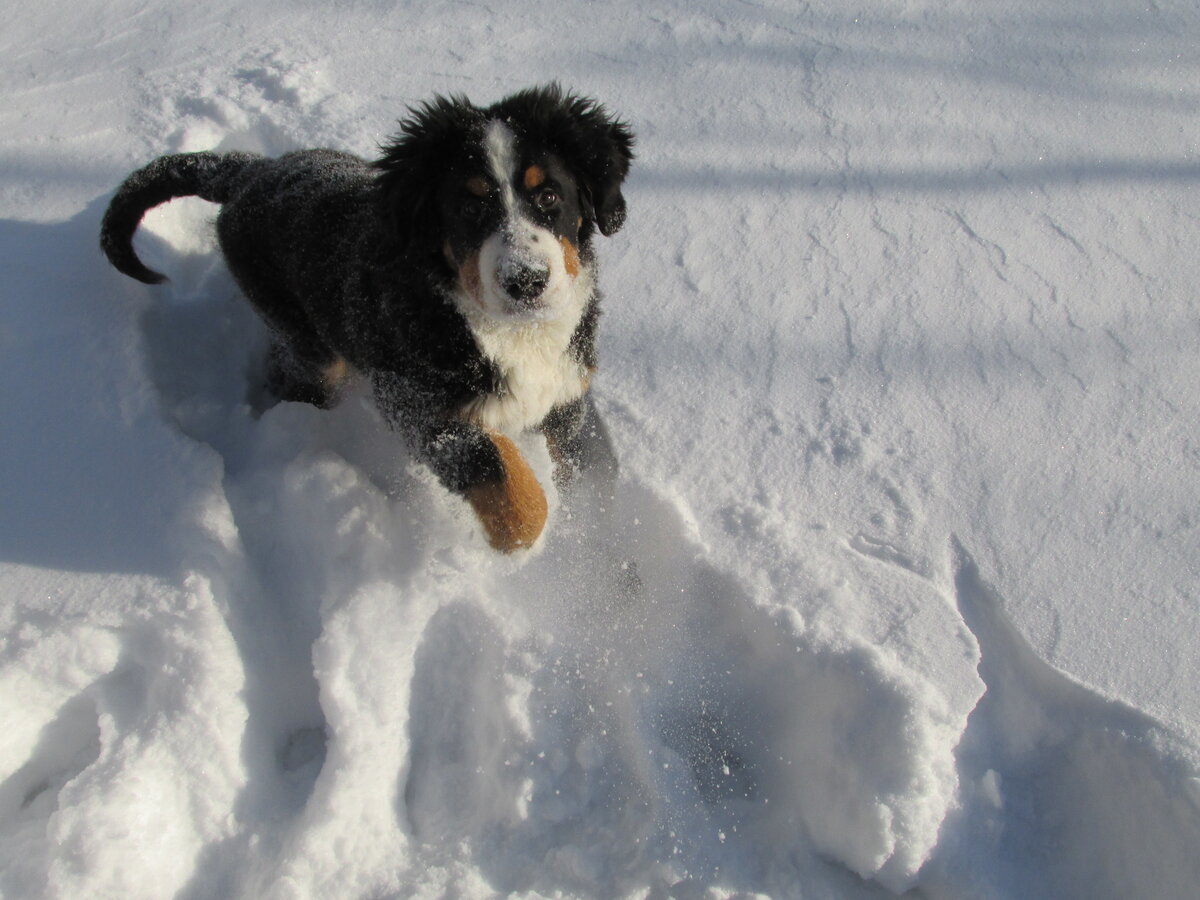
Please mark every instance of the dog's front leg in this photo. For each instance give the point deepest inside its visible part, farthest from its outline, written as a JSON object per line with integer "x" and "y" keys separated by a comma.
{"x": 512, "y": 508}
{"x": 487, "y": 469}
{"x": 579, "y": 445}
{"x": 482, "y": 466}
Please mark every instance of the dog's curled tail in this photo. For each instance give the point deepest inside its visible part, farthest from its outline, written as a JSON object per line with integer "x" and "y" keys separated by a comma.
{"x": 210, "y": 176}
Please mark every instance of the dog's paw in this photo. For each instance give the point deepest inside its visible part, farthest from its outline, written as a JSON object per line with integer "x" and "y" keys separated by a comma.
{"x": 513, "y": 511}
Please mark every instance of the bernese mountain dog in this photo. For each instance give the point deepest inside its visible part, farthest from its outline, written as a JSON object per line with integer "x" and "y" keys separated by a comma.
{"x": 456, "y": 273}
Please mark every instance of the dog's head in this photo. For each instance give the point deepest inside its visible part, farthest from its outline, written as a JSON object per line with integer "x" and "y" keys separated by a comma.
{"x": 508, "y": 197}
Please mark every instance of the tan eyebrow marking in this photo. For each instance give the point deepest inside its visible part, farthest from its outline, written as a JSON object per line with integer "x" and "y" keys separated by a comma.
{"x": 478, "y": 186}
{"x": 534, "y": 176}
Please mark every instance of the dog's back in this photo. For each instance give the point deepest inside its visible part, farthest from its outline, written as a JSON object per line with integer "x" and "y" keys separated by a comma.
{"x": 291, "y": 235}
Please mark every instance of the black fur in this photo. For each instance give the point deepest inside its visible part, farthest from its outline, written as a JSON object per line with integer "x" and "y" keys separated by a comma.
{"x": 348, "y": 259}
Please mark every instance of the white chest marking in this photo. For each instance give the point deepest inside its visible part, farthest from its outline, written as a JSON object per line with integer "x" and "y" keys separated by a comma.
{"x": 537, "y": 377}
{"x": 537, "y": 372}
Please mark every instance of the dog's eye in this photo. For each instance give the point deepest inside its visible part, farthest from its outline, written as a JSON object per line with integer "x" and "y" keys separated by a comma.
{"x": 471, "y": 208}
{"x": 546, "y": 199}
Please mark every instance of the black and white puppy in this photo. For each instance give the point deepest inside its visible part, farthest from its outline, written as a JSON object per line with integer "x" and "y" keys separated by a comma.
{"x": 456, "y": 272}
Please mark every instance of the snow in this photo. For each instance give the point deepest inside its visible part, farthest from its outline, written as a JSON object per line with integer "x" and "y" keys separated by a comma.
{"x": 898, "y": 589}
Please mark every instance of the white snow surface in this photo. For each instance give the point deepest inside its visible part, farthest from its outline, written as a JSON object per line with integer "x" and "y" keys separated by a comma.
{"x": 898, "y": 590}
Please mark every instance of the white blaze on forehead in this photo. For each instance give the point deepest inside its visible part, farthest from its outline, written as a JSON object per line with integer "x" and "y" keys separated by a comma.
{"x": 499, "y": 144}
{"x": 520, "y": 245}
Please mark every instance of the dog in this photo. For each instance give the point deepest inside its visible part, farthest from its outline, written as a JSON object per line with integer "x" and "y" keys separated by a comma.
{"x": 456, "y": 272}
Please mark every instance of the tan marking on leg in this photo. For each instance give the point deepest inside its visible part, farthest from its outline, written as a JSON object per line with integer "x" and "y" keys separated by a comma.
{"x": 478, "y": 186}
{"x": 336, "y": 373}
{"x": 470, "y": 280}
{"x": 534, "y": 176}
{"x": 513, "y": 512}
{"x": 570, "y": 257}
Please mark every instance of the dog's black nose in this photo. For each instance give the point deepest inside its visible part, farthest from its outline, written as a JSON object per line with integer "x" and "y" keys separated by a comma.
{"x": 525, "y": 283}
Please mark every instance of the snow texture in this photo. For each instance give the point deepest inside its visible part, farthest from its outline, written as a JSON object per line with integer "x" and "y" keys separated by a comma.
{"x": 897, "y": 591}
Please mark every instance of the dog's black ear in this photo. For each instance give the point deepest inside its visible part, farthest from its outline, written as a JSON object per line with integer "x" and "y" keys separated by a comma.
{"x": 412, "y": 165}
{"x": 608, "y": 164}
{"x": 595, "y": 145}
{"x": 605, "y": 183}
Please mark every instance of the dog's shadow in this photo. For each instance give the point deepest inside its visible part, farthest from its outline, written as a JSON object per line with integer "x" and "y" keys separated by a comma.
{"x": 77, "y": 456}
